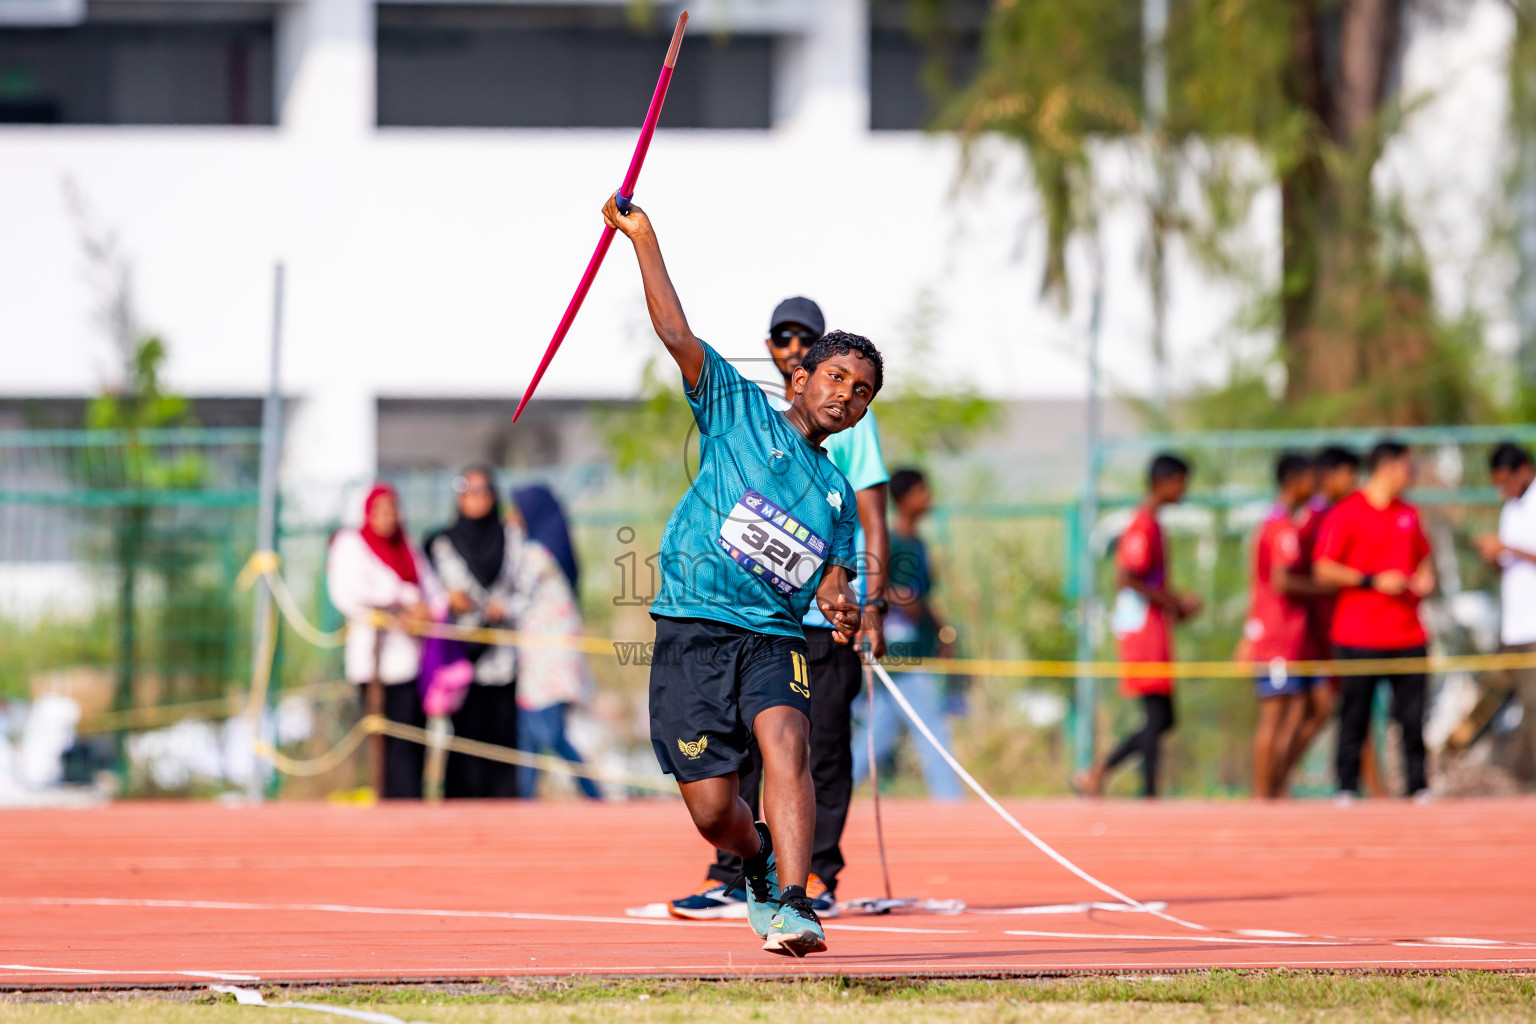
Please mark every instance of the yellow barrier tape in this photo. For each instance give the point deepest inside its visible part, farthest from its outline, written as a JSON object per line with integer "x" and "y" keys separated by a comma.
{"x": 230, "y": 706}
{"x": 1435, "y": 663}
{"x": 507, "y": 755}
{"x": 368, "y": 725}
{"x": 1026, "y": 667}
{"x": 488, "y": 635}
{"x": 639, "y": 652}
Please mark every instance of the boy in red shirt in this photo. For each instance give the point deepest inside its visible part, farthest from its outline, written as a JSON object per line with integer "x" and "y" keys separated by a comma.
{"x": 1145, "y": 611}
{"x": 1338, "y": 476}
{"x": 1276, "y": 630}
{"x": 1373, "y": 549}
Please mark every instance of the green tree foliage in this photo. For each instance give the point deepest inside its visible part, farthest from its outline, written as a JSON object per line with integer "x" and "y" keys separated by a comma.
{"x": 1304, "y": 85}
{"x": 183, "y": 623}
{"x": 1522, "y": 124}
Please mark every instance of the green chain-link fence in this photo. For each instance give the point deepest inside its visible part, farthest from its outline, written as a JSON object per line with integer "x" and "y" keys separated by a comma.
{"x": 118, "y": 558}
{"x": 119, "y": 554}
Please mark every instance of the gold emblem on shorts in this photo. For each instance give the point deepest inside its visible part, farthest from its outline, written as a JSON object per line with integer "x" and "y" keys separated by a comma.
{"x": 693, "y": 750}
{"x": 802, "y": 680}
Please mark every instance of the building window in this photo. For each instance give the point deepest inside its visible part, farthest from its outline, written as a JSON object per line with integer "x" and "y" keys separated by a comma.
{"x": 120, "y": 71}
{"x": 559, "y": 67}
{"x": 898, "y": 99}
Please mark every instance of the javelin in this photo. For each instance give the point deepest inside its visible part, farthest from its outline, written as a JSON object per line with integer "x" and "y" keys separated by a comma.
{"x": 626, "y": 195}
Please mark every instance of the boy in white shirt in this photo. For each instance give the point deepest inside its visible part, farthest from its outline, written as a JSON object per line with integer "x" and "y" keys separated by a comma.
{"x": 1513, "y": 551}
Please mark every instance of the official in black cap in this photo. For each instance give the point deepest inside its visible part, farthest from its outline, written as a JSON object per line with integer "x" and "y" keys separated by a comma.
{"x": 795, "y": 326}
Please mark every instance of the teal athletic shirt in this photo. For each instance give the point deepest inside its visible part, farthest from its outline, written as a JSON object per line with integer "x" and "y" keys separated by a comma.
{"x": 766, "y": 511}
{"x": 856, "y": 453}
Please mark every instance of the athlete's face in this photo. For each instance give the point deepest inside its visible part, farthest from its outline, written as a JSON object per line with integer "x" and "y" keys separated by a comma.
{"x": 1395, "y": 475}
{"x": 1302, "y": 486}
{"x": 1170, "y": 490}
{"x": 836, "y": 394}
{"x": 1512, "y": 483}
{"x": 1340, "y": 482}
{"x": 917, "y": 502}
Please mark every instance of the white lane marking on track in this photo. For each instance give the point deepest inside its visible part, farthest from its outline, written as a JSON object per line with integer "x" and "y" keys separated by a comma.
{"x": 1096, "y": 936}
{"x": 1069, "y": 908}
{"x": 217, "y": 975}
{"x": 1481, "y": 944}
{"x": 1455, "y": 940}
{"x": 1268, "y": 933}
{"x": 501, "y": 915}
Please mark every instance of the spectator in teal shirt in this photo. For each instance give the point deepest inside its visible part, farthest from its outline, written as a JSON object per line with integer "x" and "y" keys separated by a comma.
{"x": 914, "y": 632}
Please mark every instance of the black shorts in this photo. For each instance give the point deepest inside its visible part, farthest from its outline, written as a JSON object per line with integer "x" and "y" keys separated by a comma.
{"x": 709, "y": 681}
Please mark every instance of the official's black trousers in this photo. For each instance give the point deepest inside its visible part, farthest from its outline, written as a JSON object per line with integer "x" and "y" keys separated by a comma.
{"x": 1146, "y": 741}
{"x": 1408, "y": 697}
{"x": 836, "y": 678}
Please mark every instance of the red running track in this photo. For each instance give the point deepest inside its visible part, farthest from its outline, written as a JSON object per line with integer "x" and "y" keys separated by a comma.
{"x": 189, "y": 893}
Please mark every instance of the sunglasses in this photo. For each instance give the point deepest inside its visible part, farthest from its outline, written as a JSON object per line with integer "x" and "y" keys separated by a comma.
{"x": 784, "y": 335}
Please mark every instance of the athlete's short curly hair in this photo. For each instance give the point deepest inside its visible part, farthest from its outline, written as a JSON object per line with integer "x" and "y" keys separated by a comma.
{"x": 840, "y": 343}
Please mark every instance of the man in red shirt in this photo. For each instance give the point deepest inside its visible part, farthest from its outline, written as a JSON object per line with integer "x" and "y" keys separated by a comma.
{"x": 1373, "y": 549}
{"x": 1338, "y": 476}
{"x": 1275, "y": 632}
{"x": 1145, "y": 610}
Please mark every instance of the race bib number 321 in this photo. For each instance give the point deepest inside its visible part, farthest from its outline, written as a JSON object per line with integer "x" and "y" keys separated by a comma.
{"x": 769, "y": 542}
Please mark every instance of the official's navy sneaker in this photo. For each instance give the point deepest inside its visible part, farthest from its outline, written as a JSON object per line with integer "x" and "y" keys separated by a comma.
{"x": 711, "y": 901}
{"x": 823, "y": 901}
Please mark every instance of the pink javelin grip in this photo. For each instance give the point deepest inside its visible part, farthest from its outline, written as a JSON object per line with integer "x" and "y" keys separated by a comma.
{"x": 626, "y": 195}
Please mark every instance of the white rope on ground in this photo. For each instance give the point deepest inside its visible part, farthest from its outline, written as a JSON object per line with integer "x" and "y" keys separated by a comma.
{"x": 253, "y": 997}
{"x": 1002, "y": 811}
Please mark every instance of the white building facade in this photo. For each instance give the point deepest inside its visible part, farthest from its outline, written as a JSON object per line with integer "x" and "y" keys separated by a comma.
{"x": 431, "y": 174}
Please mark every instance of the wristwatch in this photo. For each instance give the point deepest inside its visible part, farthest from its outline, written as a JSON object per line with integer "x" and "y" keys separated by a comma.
{"x": 878, "y": 604}
{"x": 1368, "y": 581}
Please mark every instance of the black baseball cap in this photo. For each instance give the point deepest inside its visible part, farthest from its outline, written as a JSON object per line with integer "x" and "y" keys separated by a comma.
{"x": 798, "y": 310}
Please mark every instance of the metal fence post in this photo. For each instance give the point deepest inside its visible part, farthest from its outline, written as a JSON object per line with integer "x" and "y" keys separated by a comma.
{"x": 1085, "y": 696}
{"x": 266, "y": 525}
{"x": 374, "y": 695}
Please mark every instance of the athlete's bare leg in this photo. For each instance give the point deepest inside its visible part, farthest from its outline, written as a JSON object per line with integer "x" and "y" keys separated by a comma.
{"x": 1318, "y": 707}
{"x": 1285, "y": 743}
{"x": 789, "y": 801}
{"x": 721, "y": 815}
{"x": 1270, "y": 744}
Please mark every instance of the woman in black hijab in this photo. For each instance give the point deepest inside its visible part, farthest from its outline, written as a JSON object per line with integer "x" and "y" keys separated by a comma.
{"x": 470, "y": 557}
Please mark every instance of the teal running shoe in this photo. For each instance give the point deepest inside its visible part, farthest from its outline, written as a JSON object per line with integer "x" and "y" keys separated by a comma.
{"x": 761, "y": 876}
{"x": 795, "y": 930}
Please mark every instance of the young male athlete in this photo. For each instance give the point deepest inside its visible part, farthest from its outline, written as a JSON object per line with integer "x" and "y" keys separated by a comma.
{"x": 836, "y": 675}
{"x": 767, "y": 524}
{"x": 1373, "y": 549}
{"x": 1513, "y": 551}
{"x": 1275, "y": 633}
{"x": 1338, "y": 476}
{"x": 1146, "y": 609}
